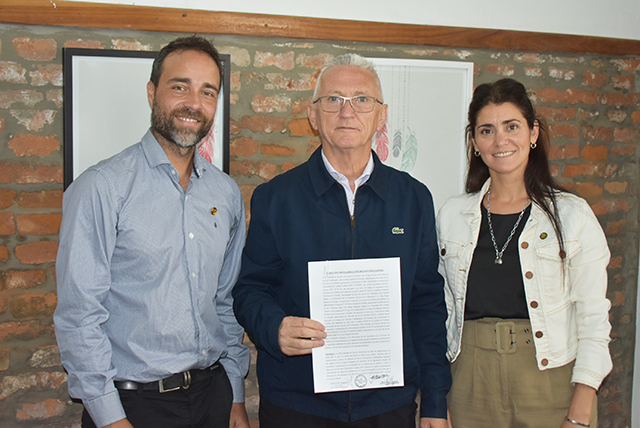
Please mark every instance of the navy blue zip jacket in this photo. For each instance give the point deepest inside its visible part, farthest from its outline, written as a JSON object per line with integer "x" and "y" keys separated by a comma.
{"x": 302, "y": 216}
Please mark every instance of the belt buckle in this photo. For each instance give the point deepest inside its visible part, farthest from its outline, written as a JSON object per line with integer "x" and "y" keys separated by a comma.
{"x": 186, "y": 383}
{"x": 506, "y": 337}
{"x": 161, "y": 384}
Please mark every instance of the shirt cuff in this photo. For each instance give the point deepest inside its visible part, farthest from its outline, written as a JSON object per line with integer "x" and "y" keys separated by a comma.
{"x": 237, "y": 384}
{"x": 106, "y": 409}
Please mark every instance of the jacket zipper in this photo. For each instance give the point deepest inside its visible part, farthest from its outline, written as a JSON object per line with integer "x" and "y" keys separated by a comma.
{"x": 353, "y": 247}
{"x": 353, "y": 223}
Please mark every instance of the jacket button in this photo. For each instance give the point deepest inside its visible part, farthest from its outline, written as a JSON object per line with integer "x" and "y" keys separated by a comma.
{"x": 562, "y": 255}
{"x": 544, "y": 362}
{"x": 543, "y": 235}
{"x": 539, "y": 334}
{"x": 525, "y": 245}
{"x": 529, "y": 275}
{"x": 443, "y": 251}
{"x": 534, "y": 304}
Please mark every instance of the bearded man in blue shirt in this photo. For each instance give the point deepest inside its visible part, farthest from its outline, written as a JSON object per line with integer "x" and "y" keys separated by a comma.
{"x": 150, "y": 249}
{"x": 343, "y": 203}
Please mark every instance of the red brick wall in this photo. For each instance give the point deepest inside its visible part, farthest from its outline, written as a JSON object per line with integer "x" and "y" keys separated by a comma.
{"x": 591, "y": 102}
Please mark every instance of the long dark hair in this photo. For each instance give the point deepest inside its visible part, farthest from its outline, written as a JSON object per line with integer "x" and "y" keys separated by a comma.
{"x": 540, "y": 185}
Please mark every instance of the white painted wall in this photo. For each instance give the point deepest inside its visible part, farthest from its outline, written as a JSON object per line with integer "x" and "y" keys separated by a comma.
{"x": 605, "y": 18}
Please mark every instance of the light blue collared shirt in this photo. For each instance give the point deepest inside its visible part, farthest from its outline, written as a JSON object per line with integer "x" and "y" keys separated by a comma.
{"x": 344, "y": 181}
{"x": 145, "y": 272}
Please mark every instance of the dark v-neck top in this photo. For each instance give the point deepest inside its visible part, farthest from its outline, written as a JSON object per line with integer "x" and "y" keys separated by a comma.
{"x": 494, "y": 290}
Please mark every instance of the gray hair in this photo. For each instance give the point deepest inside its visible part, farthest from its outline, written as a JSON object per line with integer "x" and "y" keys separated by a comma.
{"x": 352, "y": 60}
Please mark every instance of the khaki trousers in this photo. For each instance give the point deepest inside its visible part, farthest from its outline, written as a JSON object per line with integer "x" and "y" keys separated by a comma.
{"x": 497, "y": 384}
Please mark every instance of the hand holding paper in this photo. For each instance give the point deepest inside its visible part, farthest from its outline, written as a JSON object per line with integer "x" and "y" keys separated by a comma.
{"x": 297, "y": 336}
{"x": 359, "y": 302}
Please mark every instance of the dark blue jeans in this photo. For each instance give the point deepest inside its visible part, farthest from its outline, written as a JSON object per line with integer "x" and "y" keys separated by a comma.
{"x": 205, "y": 404}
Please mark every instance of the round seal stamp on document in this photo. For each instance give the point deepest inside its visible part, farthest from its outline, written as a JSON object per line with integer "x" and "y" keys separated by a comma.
{"x": 361, "y": 381}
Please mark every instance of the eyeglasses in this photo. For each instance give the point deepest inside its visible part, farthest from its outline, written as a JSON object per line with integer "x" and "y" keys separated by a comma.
{"x": 359, "y": 103}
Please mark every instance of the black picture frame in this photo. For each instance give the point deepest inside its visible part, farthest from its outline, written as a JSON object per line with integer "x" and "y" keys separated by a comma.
{"x": 106, "y": 107}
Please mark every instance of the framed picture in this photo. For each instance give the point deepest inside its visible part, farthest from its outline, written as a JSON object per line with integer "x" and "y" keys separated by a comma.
{"x": 106, "y": 108}
{"x": 425, "y": 130}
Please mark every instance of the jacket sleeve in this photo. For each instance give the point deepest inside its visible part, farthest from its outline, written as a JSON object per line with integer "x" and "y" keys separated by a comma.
{"x": 445, "y": 222}
{"x": 87, "y": 240}
{"x": 255, "y": 303}
{"x": 587, "y": 273}
{"x": 428, "y": 314}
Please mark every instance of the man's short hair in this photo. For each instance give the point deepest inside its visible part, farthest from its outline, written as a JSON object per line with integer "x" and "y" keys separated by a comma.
{"x": 190, "y": 43}
{"x": 353, "y": 60}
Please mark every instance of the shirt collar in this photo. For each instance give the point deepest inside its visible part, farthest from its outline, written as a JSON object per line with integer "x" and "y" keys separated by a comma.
{"x": 153, "y": 150}
{"x": 200, "y": 164}
{"x": 156, "y": 156}
{"x": 368, "y": 169}
{"x": 322, "y": 180}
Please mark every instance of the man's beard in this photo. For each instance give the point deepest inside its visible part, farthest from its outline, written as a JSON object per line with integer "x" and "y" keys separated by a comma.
{"x": 183, "y": 137}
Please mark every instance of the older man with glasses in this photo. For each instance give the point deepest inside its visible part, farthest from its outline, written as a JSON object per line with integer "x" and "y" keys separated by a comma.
{"x": 343, "y": 203}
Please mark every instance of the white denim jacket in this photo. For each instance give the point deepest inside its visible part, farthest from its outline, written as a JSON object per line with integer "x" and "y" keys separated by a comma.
{"x": 568, "y": 311}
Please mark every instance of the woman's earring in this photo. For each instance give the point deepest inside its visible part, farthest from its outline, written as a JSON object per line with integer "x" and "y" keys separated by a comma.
{"x": 533, "y": 145}
{"x": 477, "y": 153}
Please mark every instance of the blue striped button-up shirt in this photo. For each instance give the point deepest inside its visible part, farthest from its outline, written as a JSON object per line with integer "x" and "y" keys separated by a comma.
{"x": 145, "y": 272}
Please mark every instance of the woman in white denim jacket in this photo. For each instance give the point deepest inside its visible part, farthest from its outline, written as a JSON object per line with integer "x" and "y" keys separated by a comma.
{"x": 564, "y": 280}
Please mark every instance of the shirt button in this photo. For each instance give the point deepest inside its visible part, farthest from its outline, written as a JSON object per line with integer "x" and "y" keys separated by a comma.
{"x": 539, "y": 334}
{"x": 529, "y": 275}
{"x": 193, "y": 275}
{"x": 173, "y": 172}
{"x": 204, "y": 352}
{"x": 534, "y": 304}
{"x": 544, "y": 362}
{"x": 443, "y": 251}
{"x": 191, "y": 235}
{"x": 525, "y": 245}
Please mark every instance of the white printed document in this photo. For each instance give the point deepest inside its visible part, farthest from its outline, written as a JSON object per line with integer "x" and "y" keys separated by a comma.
{"x": 360, "y": 304}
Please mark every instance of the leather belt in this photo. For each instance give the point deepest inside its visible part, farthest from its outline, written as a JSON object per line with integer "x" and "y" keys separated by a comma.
{"x": 172, "y": 383}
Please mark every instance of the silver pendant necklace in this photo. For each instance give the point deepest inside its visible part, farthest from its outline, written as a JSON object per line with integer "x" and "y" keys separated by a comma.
{"x": 498, "y": 260}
